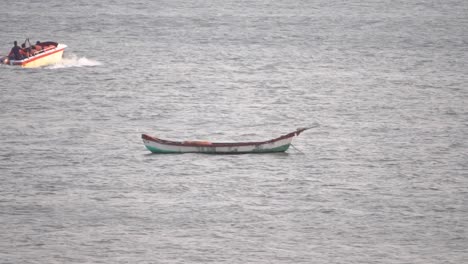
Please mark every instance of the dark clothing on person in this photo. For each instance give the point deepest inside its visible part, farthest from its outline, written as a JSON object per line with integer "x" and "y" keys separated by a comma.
{"x": 16, "y": 52}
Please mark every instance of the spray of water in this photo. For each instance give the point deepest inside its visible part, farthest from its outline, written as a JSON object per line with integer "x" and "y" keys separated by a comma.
{"x": 72, "y": 60}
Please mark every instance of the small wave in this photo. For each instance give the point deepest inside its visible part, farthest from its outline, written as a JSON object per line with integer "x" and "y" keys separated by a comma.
{"x": 74, "y": 61}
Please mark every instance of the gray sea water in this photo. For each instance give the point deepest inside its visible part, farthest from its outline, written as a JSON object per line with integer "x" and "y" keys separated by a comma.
{"x": 382, "y": 178}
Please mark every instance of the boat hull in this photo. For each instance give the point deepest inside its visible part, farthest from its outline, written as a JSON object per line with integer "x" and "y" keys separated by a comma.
{"x": 45, "y": 58}
{"x": 280, "y": 144}
{"x": 156, "y": 147}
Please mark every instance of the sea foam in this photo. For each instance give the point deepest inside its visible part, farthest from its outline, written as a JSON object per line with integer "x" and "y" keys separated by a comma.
{"x": 72, "y": 60}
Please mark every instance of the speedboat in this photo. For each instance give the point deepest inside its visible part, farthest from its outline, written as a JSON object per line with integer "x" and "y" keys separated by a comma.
{"x": 40, "y": 54}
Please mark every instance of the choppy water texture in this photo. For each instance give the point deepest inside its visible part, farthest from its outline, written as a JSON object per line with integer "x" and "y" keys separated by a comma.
{"x": 382, "y": 179}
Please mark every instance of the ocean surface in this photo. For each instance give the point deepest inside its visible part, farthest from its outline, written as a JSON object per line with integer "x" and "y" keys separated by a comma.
{"x": 382, "y": 177}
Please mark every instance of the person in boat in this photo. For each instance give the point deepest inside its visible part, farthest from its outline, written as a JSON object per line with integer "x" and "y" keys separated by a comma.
{"x": 27, "y": 50}
{"x": 38, "y": 47}
{"x": 16, "y": 52}
{"x": 35, "y": 49}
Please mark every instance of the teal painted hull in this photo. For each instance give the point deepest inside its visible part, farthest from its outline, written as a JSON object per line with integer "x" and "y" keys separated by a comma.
{"x": 214, "y": 151}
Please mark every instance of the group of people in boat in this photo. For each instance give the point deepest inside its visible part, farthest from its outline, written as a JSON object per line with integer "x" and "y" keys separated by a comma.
{"x": 23, "y": 52}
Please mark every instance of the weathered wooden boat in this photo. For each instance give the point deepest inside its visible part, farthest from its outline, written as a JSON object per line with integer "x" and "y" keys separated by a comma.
{"x": 279, "y": 144}
{"x": 40, "y": 54}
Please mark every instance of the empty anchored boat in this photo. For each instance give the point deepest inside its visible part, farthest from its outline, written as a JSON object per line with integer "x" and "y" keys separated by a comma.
{"x": 279, "y": 144}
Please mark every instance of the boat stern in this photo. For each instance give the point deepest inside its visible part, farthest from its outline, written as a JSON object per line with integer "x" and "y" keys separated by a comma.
{"x": 4, "y": 60}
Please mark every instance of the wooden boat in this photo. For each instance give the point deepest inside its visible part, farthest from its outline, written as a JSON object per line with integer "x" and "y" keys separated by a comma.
{"x": 279, "y": 144}
{"x": 41, "y": 54}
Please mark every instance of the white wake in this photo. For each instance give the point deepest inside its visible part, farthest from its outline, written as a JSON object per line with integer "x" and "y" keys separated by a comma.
{"x": 72, "y": 60}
